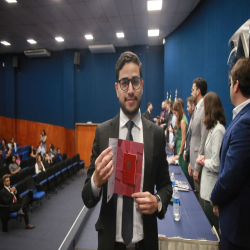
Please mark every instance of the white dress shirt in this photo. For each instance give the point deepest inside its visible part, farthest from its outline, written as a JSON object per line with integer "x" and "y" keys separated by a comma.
{"x": 137, "y": 133}
{"x": 8, "y": 188}
{"x": 237, "y": 109}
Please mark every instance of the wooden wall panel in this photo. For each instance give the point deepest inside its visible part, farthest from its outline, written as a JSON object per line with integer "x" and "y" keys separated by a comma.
{"x": 7, "y": 128}
{"x": 27, "y": 133}
{"x": 85, "y": 134}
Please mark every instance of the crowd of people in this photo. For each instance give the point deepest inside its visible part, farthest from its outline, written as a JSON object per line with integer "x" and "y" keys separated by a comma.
{"x": 197, "y": 148}
{"x": 11, "y": 162}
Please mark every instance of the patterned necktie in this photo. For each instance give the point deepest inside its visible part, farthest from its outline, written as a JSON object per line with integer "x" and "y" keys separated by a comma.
{"x": 14, "y": 197}
{"x": 128, "y": 202}
{"x": 195, "y": 110}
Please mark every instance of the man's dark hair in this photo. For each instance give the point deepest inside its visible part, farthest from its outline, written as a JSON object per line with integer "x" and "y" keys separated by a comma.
{"x": 5, "y": 177}
{"x": 190, "y": 99}
{"x": 241, "y": 72}
{"x": 124, "y": 58}
{"x": 201, "y": 84}
{"x": 149, "y": 103}
{"x": 57, "y": 149}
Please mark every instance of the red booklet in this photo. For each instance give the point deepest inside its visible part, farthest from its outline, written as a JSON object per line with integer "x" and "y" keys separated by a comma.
{"x": 129, "y": 167}
{"x": 127, "y": 159}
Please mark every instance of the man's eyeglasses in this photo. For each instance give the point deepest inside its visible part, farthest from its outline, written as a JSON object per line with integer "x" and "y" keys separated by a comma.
{"x": 135, "y": 81}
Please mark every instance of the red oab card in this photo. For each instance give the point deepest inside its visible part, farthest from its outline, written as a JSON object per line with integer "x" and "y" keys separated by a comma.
{"x": 129, "y": 168}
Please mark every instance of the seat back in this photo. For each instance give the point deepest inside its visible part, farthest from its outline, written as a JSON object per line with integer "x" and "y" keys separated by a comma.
{"x": 19, "y": 150}
{"x": 26, "y": 148}
{"x": 23, "y": 174}
{"x": 24, "y": 164}
{"x": 25, "y": 155}
{"x": 14, "y": 179}
{"x": 41, "y": 177}
{"x": 3, "y": 171}
{"x": 21, "y": 187}
{"x": 50, "y": 172}
{"x": 68, "y": 162}
{"x": 64, "y": 156}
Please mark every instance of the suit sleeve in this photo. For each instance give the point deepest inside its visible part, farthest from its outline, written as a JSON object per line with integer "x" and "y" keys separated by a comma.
{"x": 213, "y": 163}
{"x": 204, "y": 133}
{"x": 6, "y": 199}
{"x": 163, "y": 182}
{"x": 236, "y": 171}
{"x": 87, "y": 195}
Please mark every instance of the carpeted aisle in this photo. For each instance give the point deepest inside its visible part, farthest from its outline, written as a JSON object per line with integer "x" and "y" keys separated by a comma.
{"x": 52, "y": 220}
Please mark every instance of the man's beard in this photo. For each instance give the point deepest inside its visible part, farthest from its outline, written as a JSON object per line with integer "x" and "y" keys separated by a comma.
{"x": 132, "y": 112}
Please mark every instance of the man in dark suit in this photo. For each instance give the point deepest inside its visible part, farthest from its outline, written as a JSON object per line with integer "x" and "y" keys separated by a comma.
{"x": 147, "y": 113}
{"x": 186, "y": 155}
{"x": 58, "y": 155}
{"x": 230, "y": 196}
{"x": 129, "y": 221}
{"x": 8, "y": 197}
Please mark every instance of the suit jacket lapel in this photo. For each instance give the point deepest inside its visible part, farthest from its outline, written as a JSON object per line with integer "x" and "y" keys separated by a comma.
{"x": 114, "y": 127}
{"x": 148, "y": 140}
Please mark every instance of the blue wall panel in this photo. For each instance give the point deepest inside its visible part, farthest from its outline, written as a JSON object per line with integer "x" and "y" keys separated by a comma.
{"x": 40, "y": 89}
{"x": 199, "y": 48}
{"x": 2, "y": 87}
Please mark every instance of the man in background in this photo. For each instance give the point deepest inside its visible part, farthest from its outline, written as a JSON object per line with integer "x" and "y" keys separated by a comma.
{"x": 186, "y": 155}
{"x": 199, "y": 133}
{"x": 148, "y": 112}
{"x": 230, "y": 196}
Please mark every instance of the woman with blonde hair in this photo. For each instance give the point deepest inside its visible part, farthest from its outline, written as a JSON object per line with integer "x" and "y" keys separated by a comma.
{"x": 182, "y": 125}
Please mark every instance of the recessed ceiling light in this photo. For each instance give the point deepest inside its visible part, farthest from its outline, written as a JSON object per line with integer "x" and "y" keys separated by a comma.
{"x": 163, "y": 41}
{"x": 153, "y": 32}
{"x": 59, "y": 39}
{"x": 120, "y": 34}
{"x": 89, "y": 37}
{"x": 5, "y": 43}
{"x": 11, "y": 1}
{"x": 154, "y": 5}
{"x": 31, "y": 41}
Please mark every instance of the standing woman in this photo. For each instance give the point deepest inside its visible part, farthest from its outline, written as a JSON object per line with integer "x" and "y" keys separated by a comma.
{"x": 43, "y": 138}
{"x": 214, "y": 121}
{"x": 182, "y": 125}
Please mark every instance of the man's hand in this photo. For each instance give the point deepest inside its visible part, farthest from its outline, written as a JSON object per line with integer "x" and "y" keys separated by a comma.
{"x": 190, "y": 170}
{"x": 103, "y": 167}
{"x": 146, "y": 202}
{"x": 216, "y": 210}
{"x": 162, "y": 125}
{"x": 184, "y": 158}
{"x": 200, "y": 159}
{"x": 171, "y": 147}
{"x": 196, "y": 176}
{"x": 13, "y": 189}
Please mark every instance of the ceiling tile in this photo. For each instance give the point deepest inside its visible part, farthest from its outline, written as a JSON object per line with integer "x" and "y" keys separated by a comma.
{"x": 91, "y": 25}
{"x": 141, "y": 21}
{"x": 103, "y": 25}
{"x": 139, "y": 7}
{"x": 19, "y": 17}
{"x": 169, "y": 6}
{"x": 142, "y": 41}
{"x": 128, "y": 22}
{"x": 54, "y": 11}
{"x": 116, "y": 24}
{"x": 82, "y": 10}
{"x": 68, "y": 11}
{"x": 142, "y": 33}
{"x": 96, "y": 9}
{"x": 29, "y": 3}
{"x": 30, "y": 15}
{"x": 79, "y": 25}
{"x": 130, "y": 33}
{"x": 110, "y": 8}
{"x": 185, "y": 5}
{"x": 68, "y": 26}
{"x": 165, "y": 31}
{"x": 124, "y": 7}
{"x": 153, "y": 20}
{"x": 153, "y": 41}
{"x": 43, "y": 14}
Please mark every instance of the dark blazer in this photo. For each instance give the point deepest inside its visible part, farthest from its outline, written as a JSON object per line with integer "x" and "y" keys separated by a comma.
{"x": 148, "y": 116}
{"x": 155, "y": 174}
{"x": 187, "y": 149}
{"x": 6, "y": 198}
{"x": 232, "y": 189}
{"x": 167, "y": 117}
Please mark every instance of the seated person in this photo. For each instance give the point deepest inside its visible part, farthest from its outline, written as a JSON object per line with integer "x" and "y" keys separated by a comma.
{"x": 52, "y": 150}
{"x": 8, "y": 157}
{"x": 58, "y": 155}
{"x": 32, "y": 152}
{"x": 12, "y": 144}
{"x": 39, "y": 165}
{"x": 41, "y": 149}
{"x": 14, "y": 167}
{"x": 2, "y": 159}
{"x": 4, "y": 146}
{"x": 8, "y": 197}
{"x": 47, "y": 161}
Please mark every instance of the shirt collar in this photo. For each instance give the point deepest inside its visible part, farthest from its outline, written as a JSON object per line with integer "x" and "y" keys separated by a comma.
{"x": 149, "y": 111}
{"x": 237, "y": 109}
{"x": 124, "y": 119}
{"x": 199, "y": 103}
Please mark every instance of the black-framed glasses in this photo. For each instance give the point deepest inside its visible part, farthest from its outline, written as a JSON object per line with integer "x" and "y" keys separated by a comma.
{"x": 135, "y": 81}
